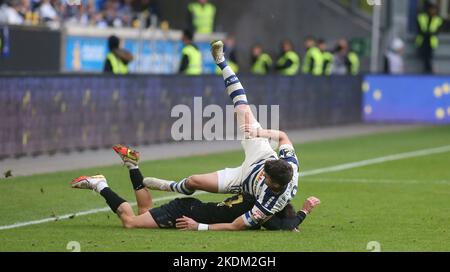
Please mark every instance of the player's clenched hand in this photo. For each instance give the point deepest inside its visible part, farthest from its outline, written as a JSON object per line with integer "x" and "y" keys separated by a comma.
{"x": 310, "y": 203}
{"x": 186, "y": 223}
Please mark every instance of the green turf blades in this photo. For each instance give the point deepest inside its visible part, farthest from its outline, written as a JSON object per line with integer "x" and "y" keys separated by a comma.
{"x": 401, "y": 204}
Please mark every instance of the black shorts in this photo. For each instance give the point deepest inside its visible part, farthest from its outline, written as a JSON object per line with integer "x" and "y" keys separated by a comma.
{"x": 166, "y": 215}
{"x": 207, "y": 213}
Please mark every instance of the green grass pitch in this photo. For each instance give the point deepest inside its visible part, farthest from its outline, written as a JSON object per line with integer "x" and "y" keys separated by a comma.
{"x": 403, "y": 204}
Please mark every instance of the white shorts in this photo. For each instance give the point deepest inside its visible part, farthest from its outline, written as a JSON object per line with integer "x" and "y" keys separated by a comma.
{"x": 256, "y": 149}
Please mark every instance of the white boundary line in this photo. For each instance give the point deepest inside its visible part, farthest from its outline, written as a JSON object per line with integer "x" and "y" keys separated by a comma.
{"x": 394, "y": 157}
{"x": 373, "y": 180}
{"x": 93, "y": 211}
{"x": 336, "y": 168}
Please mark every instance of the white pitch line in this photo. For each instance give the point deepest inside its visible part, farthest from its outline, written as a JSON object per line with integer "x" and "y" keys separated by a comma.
{"x": 372, "y": 180}
{"x": 93, "y": 211}
{"x": 395, "y": 157}
{"x": 336, "y": 168}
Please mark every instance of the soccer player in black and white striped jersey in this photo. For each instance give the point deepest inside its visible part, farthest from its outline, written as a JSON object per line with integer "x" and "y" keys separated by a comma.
{"x": 270, "y": 177}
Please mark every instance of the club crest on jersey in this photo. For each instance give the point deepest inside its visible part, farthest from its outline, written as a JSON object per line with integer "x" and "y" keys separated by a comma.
{"x": 260, "y": 177}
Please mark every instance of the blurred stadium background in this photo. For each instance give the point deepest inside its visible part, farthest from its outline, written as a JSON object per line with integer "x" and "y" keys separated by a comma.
{"x": 60, "y": 111}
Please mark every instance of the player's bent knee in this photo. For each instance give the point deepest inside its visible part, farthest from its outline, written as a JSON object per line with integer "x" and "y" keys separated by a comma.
{"x": 192, "y": 182}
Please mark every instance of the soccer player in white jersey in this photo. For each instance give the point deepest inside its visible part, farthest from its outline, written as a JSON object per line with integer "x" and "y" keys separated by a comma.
{"x": 270, "y": 177}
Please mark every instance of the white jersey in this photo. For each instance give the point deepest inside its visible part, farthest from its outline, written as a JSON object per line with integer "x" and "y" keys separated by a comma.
{"x": 267, "y": 202}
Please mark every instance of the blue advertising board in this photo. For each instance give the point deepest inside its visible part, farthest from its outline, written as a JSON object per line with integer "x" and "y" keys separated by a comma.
{"x": 409, "y": 98}
{"x": 87, "y": 54}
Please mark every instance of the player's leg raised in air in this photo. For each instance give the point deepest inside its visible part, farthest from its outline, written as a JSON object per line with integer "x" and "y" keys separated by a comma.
{"x": 233, "y": 87}
{"x": 210, "y": 182}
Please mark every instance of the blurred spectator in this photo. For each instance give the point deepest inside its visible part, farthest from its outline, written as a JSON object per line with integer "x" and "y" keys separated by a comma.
{"x": 99, "y": 21}
{"x": 110, "y": 13}
{"x": 313, "y": 61}
{"x": 125, "y": 13}
{"x": 261, "y": 61}
{"x": 201, "y": 17}
{"x": 427, "y": 40}
{"x": 327, "y": 57}
{"x": 117, "y": 59}
{"x": 47, "y": 11}
{"x": 394, "y": 57}
{"x": 25, "y": 10}
{"x": 191, "y": 60}
{"x": 9, "y": 12}
{"x": 100, "y": 13}
{"x": 288, "y": 63}
{"x": 79, "y": 15}
{"x": 151, "y": 8}
{"x": 345, "y": 61}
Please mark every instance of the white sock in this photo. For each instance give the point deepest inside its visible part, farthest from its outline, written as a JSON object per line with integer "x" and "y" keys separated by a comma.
{"x": 234, "y": 87}
{"x": 222, "y": 59}
{"x": 100, "y": 186}
{"x": 130, "y": 166}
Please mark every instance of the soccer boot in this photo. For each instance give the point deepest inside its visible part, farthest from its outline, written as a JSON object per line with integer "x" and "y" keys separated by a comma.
{"x": 129, "y": 156}
{"x": 217, "y": 51}
{"x": 96, "y": 183}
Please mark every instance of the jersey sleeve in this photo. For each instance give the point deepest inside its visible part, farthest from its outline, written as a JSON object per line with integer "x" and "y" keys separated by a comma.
{"x": 265, "y": 207}
{"x": 287, "y": 153}
{"x": 256, "y": 216}
{"x": 277, "y": 222}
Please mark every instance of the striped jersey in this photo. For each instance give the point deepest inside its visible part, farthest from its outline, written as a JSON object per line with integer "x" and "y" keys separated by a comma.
{"x": 267, "y": 202}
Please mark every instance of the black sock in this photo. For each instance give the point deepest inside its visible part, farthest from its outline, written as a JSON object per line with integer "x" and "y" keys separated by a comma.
{"x": 112, "y": 199}
{"x": 137, "y": 179}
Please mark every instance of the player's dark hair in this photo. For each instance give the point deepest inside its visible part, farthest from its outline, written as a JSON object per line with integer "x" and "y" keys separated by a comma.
{"x": 279, "y": 171}
{"x": 113, "y": 42}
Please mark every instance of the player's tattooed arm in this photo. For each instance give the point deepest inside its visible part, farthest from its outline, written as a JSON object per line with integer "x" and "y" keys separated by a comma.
{"x": 280, "y": 136}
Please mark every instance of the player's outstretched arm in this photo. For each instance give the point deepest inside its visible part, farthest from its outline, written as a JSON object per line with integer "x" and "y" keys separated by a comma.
{"x": 186, "y": 223}
{"x": 280, "y": 136}
{"x": 292, "y": 222}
